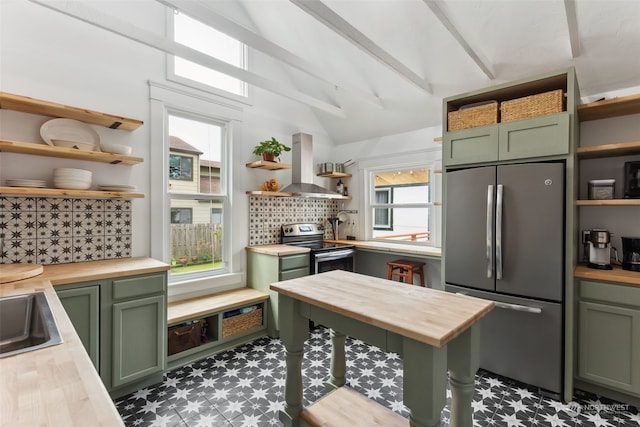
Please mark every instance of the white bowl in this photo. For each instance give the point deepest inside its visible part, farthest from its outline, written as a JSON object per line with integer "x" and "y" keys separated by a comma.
{"x": 116, "y": 149}
{"x": 69, "y": 172}
{"x": 87, "y": 146}
{"x": 71, "y": 185}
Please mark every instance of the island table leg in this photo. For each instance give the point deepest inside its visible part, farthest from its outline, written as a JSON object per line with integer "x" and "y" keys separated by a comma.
{"x": 463, "y": 363}
{"x": 338, "y": 365}
{"x": 294, "y": 330}
{"x": 424, "y": 382}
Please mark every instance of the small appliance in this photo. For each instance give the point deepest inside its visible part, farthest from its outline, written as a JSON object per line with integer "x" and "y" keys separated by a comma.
{"x": 632, "y": 180}
{"x": 631, "y": 253}
{"x": 599, "y": 241}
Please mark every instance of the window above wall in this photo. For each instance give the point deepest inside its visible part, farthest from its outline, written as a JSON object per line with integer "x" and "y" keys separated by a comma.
{"x": 203, "y": 38}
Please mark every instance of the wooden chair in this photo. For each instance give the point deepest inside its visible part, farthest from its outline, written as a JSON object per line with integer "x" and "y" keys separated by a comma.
{"x": 404, "y": 268}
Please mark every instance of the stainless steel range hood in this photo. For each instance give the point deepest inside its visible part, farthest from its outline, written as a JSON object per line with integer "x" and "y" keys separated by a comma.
{"x": 302, "y": 170}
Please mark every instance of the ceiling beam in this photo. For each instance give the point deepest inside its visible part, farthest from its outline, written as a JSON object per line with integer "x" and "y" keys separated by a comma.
{"x": 436, "y": 9}
{"x": 79, "y": 10}
{"x": 572, "y": 23}
{"x": 335, "y": 22}
{"x": 198, "y": 10}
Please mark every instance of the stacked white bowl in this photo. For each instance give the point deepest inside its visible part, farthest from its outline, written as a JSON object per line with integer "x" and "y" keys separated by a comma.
{"x": 71, "y": 179}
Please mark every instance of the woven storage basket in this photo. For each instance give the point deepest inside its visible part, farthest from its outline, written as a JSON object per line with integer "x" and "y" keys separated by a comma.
{"x": 473, "y": 117}
{"x": 532, "y": 106}
{"x": 184, "y": 337}
{"x": 241, "y": 323}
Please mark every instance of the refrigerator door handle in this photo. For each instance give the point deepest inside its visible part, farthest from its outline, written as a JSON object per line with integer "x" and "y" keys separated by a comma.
{"x": 490, "y": 252}
{"x": 499, "y": 202}
{"x": 508, "y": 306}
{"x": 518, "y": 307}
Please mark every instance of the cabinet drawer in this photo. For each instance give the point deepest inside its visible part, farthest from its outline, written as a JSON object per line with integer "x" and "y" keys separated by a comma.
{"x": 610, "y": 292}
{"x": 294, "y": 261}
{"x": 292, "y": 274}
{"x": 137, "y": 286}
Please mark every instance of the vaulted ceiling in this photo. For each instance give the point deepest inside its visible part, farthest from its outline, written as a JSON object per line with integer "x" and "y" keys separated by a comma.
{"x": 371, "y": 68}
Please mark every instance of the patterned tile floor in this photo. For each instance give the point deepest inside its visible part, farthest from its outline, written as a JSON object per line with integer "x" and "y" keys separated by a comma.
{"x": 245, "y": 386}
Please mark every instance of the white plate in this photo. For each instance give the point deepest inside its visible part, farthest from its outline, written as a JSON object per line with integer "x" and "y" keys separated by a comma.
{"x": 35, "y": 183}
{"x": 116, "y": 187}
{"x": 68, "y": 130}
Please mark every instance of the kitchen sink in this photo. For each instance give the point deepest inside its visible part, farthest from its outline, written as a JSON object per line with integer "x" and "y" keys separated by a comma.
{"x": 26, "y": 324}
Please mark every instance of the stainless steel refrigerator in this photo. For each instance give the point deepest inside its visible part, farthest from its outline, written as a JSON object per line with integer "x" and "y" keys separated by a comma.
{"x": 504, "y": 234}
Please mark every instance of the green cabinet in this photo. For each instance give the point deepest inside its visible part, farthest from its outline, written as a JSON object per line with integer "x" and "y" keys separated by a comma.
{"x": 539, "y": 137}
{"x": 82, "y": 304}
{"x": 609, "y": 335}
{"x": 122, "y": 323}
{"x": 264, "y": 269}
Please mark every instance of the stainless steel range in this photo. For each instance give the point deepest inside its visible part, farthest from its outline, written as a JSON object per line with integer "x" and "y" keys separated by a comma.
{"x": 324, "y": 256}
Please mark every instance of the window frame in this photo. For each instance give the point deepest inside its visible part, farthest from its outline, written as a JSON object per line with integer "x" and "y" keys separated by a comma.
{"x": 246, "y": 98}
{"x": 369, "y": 204}
{"x": 166, "y": 99}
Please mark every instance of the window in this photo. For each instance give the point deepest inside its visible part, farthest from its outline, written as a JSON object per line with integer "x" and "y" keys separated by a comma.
{"x": 203, "y": 38}
{"x": 401, "y": 207}
{"x": 197, "y": 194}
{"x": 181, "y": 216}
{"x": 180, "y": 167}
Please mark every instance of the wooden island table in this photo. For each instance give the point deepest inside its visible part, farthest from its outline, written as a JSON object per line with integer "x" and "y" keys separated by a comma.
{"x": 431, "y": 330}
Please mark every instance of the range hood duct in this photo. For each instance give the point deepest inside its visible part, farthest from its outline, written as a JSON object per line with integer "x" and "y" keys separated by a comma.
{"x": 302, "y": 171}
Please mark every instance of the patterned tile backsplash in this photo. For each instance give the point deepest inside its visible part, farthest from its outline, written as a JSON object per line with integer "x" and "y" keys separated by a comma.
{"x": 47, "y": 230}
{"x": 267, "y": 214}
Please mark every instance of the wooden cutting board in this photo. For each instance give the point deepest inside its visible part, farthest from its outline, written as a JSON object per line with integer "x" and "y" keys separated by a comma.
{"x": 13, "y": 272}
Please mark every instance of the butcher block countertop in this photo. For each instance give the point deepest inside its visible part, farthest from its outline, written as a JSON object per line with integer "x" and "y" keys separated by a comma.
{"x": 617, "y": 274}
{"x": 278, "y": 250}
{"x": 58, "y": 385}
{"x": 399, "y": 248}
{"x": 426, "y": 315}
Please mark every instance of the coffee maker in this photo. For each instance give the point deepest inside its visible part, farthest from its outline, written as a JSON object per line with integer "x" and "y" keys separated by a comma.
{"x": 631, "y": 253}
{"x": 598, "y": 244}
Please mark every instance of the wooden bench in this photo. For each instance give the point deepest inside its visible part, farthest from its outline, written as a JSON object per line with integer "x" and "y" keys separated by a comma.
{"x": 221, "y": 314}
{"x": 193, "y": 308}
{"x": 346, "y": 407}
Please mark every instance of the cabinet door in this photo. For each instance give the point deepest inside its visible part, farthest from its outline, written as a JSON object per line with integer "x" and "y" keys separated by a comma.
{"x": 467, "y": 146}
{"x": 538, "y": 137}
{"x": 83, "y": 308}
{"x": 609, "y": 345}
{"x": 139, "y": 339}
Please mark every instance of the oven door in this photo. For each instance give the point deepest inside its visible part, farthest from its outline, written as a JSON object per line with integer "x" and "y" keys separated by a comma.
{"x": 333, "y": 260}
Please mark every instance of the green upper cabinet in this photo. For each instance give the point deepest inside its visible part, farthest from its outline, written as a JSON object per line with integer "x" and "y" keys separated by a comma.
{"x": 549, "y": 134}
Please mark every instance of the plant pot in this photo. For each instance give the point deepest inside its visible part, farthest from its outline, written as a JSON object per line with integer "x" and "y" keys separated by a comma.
{"x": 269, "y": 157}
{"x": 183, "y": 260}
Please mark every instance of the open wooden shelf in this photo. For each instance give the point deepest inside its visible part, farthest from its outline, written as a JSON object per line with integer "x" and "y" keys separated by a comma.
{"x": 268, "y": 193}
{"x": 262, "y": 164}
{"x": 609, "y": 150}
{"x": 609, "y": 202}
{"x": 335, "y": 175}
{"x": 68, "y": 153}
{"x": 26, "y": 104}
{"x": 56, "y": 192}
{"x": 609, "y": 108}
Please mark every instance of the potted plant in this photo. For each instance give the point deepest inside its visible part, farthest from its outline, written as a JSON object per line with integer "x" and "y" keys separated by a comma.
{"x": 270, "y": 149}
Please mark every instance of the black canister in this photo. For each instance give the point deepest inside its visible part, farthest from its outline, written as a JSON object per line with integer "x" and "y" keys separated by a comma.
{"x": 631, "y": 253}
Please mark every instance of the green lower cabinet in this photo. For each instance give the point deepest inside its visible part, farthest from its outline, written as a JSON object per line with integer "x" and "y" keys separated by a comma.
{"x": 122, "y": 323}
{"x": 264, "y": 269}
{"x": 138, "y": 346}
{"x": 82, "y": 305}
{"x": 609, "y": 336}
